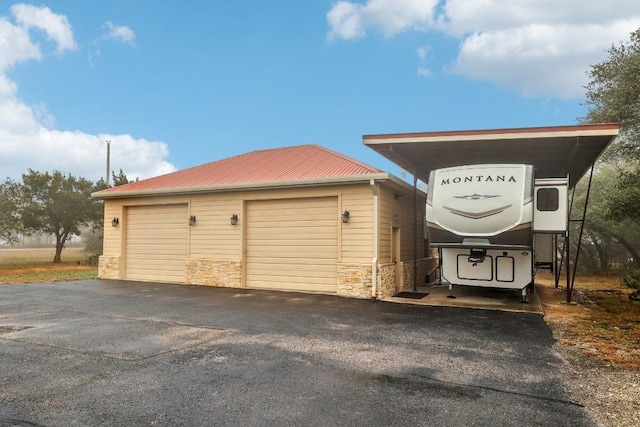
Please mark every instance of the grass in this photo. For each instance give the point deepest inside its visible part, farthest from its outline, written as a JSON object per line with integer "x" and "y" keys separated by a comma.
{"x": 35, "y": 265}
{"x": 604, "y": 324}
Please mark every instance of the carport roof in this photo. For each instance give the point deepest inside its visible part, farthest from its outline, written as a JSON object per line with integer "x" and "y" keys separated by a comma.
{"x": 555, "y": 151}
{"x": 279, "y": 167}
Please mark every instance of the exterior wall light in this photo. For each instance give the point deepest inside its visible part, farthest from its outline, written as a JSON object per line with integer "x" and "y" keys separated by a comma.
{"x": 234, "y": 219}
{"x": 115, "y": 221}
{"x": 345, "y": 217}
{"x": 192, "y": 220}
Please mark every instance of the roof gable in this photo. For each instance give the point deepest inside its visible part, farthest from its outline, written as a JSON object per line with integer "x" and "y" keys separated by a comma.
{"x": 303, "y": 162}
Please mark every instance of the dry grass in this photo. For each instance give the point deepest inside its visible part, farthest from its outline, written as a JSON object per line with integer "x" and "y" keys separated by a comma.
{"x": 35, "y": 265}
{"x": 603, "y": 325}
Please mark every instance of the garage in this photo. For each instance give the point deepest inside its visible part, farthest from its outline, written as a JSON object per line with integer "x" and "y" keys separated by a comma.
{"x": 156, "y": 243}
{"x": 292, "y": 244}
{"x": 298, "y": 219}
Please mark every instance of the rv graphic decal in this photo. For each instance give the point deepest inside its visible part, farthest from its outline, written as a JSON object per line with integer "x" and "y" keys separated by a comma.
{"x": 478, "y": 178}
{"x": 477, "y": 196}
{"x": 477, "y": 215}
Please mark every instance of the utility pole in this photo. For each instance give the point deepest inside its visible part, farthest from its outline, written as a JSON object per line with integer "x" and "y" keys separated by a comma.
{"x": 108, "y": 162}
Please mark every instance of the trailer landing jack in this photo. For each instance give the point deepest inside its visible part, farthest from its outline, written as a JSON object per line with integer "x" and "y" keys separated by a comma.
{"x": 451, "y": 295}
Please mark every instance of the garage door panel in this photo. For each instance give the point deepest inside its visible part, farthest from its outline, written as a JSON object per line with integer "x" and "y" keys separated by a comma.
{"x": 300, "y": 270}
{"x": 291, "y": 250}
{"x": 293, "y": 244}
{"x": 308, "y": 284}
{"x": 156, "y": 243}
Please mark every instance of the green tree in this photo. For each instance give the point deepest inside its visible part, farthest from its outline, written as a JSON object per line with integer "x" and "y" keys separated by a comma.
{"x": 607, "y": 241}
{"x": 93, "y": 236}
{"x": 9, "y": 218}
{"x": 57, "y": 204}
{"x": 613, "y": 95}
{"x": 120, "y": 179}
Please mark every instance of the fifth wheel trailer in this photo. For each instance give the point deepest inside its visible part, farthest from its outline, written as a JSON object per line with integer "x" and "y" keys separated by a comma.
{"x": 484, "y": 219}
{"x": 546, "y": 162}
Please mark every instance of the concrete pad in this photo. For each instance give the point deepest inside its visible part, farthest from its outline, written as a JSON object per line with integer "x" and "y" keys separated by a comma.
{"x": 475, "y": 297}
{"x": 109, "y": 336}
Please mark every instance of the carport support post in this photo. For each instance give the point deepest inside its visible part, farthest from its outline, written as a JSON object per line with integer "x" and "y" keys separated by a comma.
{"x": 584, "y": 218}
{"x": 415, "y": 231}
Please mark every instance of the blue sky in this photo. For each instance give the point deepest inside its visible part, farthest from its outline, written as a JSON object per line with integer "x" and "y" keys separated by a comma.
{"x": 177, "y": 84}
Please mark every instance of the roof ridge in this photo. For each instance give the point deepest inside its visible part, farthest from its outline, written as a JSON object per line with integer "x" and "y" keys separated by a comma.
{"x": 301, "y": 162}
{"x": 347, "y": 158}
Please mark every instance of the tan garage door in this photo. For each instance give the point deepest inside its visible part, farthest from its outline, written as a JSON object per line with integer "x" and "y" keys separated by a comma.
{"x": 156, "y": 243}
{"x": 293, "y": 244}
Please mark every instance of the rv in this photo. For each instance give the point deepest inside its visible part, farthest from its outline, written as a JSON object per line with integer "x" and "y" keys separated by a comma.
{"x": 494, "y": 225}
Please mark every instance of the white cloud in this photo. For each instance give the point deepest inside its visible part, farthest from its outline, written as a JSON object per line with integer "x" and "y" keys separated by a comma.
{"x": 539, "y": 59}
{"x": 119, "y": 33}
{"x": 350, "y": 20}
{"x": 423, "y": 52}
{"x": 535, "y": 47}
{"x": 27, "y": 135}
{"x": 56, "y": 27}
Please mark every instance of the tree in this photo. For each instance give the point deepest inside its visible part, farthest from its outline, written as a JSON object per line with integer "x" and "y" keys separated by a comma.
{"x": 613, "y": 95}
{"x": 120, "y": 179}
{"x": 9, "y": 218}
{"x": 57, "y": 204}
{"x": 93, "y": 236}
{"x": 607, "y": 241}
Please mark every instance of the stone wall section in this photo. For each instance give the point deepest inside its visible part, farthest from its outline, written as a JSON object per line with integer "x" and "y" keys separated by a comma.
{"x": 108, "y": 267}
{"x": 354, "y": 281}
{"x": 213, "y": 273}
{"x": 425, "y": 266}
{"x": 386, "y": 281}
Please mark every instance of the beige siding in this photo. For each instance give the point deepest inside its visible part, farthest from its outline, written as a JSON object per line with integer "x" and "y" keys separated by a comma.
{"x": 156, "y": 243}
{"x": 292, "y": 244}
{"x": 111, "y": 242}
{"x": 213, "y": 236}
{"x": 400, "y": 203}
{"x": 357, "y": 234}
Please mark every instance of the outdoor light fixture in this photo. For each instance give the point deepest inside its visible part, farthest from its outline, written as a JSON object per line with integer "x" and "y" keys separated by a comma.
{"x": 115, "y": 221}
{"x": 234, "y": 219}
{"x": 192, "y": 219}
{"x": 345, "y": 217}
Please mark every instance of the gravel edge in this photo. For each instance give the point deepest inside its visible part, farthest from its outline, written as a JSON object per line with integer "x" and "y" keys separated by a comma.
{"x": 611, "y": 395}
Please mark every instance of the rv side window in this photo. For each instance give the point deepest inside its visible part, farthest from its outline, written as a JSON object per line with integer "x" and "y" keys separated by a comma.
{"x": 548, "y": 199}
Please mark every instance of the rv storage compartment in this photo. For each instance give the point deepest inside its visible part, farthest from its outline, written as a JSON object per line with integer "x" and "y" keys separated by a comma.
{"x": 501, "y": 268}
{"x": 504, "y": 269}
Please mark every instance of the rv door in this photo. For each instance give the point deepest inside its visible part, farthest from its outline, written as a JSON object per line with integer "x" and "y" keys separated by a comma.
{"x": 551, "y": 205}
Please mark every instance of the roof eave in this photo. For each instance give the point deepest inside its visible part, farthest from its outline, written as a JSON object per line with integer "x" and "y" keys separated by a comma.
{"x": 496, "y": 134}
{"x": 340, "y": 180}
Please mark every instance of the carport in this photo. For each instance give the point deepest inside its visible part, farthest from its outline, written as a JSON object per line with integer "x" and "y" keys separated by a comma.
{"x": 558, "y": 151}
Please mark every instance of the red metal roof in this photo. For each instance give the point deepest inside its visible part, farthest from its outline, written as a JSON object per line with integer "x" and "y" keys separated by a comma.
{"x": 273, "y": 165}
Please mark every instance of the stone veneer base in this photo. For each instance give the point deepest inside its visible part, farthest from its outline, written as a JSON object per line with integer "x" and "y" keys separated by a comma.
{"x": 213, "y": 273}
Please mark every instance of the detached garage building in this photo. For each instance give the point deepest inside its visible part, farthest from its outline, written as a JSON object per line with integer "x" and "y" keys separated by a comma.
{"x": 297, "y": 219}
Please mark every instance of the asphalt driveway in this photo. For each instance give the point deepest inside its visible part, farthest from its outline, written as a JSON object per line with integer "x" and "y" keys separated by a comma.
{"x": 117, "y": 353}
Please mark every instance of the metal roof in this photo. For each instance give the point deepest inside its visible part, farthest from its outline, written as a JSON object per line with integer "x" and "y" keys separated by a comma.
{"x": 279, "y": 166}
{"x": 555, "y": 152}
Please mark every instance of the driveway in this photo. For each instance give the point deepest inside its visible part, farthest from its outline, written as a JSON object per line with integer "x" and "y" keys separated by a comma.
{"x": 103, "y": 352}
